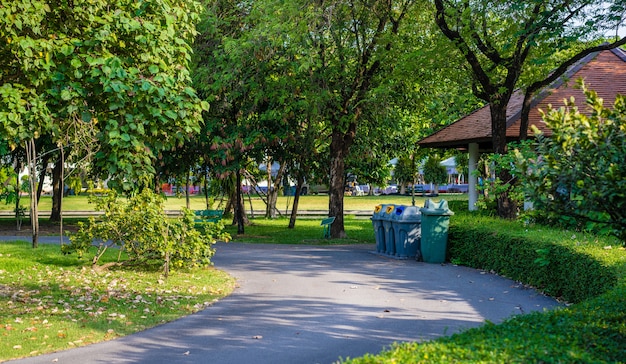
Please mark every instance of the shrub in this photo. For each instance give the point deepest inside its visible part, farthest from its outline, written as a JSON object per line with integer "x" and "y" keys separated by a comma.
{"x": 141, "y": 229}
{"x": 578, "y": 174}
{"x": 557, "y": 263}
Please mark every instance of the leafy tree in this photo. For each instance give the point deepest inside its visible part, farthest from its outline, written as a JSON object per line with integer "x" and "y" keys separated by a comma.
{"x": 509, "y": 44}
{"x": 434, "y": 172}
{"x": 345, "y": 51}
{"x": 120, "y": 66}
{"x": 578, "y": 175}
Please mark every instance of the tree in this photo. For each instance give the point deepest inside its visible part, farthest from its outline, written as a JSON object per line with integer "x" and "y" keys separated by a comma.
{"x": 505, "y": 44}
{"x": 434, "y": 172}
{"x": 118, "y": 65}
{"x": 578, "y": 174}
{"x": 345, "y": 50}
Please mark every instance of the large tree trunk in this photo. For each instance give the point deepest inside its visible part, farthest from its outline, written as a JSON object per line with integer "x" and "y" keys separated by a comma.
{"x": 507, "y": 208}
{"x": 339, "y": 147}
{"x": 57, "y": 191}
{"x": 31, "y": 157}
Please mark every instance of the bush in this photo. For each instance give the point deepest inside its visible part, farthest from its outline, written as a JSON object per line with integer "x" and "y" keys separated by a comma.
{"x": 578, "y": 174}
{"x": 141, "y": 229}
{"x": 557, "y": 263}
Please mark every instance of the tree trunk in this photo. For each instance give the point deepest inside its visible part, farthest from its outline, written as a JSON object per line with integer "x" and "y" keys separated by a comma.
{"x": 272, "y": 194}
{"x": 206, "y": 190}
{"x": 507, "y": 208}
{"x": 296, "y": 201}
{"x": 57, "y": 191}
{"x": 239, "y": 209}
{"x": 187, "y": 180}
{"x": 18, "y": 209}
{"x": 339, "y": 147}
{"x": 31, "y": 157}
{"x": 42, "y": 175}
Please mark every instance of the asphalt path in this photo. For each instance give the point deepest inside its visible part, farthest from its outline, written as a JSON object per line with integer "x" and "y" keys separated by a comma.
{"x": 316, "y": 304}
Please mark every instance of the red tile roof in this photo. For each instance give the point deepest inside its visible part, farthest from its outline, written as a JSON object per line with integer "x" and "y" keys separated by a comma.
{"x": 603, "y": 72}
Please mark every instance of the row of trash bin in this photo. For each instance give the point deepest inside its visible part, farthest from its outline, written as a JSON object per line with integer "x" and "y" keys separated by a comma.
{"x": 407, "y": 232}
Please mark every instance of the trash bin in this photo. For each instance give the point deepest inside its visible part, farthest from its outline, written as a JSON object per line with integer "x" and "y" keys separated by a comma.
{"x": 407, "y": 228}
{"x": 379, "y": 229}
{"x": 390, "y": 245}
{"x": 435, "y": 222}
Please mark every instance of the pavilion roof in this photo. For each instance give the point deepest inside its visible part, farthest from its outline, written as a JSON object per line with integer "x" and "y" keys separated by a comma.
{"x": 603, "y": 72}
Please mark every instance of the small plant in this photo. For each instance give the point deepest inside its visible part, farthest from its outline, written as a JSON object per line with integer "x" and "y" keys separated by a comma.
{"x": 142, "y": 230}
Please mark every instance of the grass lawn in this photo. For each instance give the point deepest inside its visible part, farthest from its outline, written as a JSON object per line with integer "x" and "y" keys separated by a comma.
{"x": 306, "y": 231}
{"x": 51, "y": 302}
{"x": 309, "y": 202}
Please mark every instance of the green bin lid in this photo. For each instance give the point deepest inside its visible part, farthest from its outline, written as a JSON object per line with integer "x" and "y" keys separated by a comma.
{"x": 436, "y": 208}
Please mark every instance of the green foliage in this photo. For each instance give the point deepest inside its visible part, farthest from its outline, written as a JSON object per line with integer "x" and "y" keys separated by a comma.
{"x": 560, "y": 264}
{"x": 119, "y": 67}
{"x": 578, "y": 175}
{"x": 504, "y": 165}
{"x": 434, "y": 172}
{"x": 141, "y": 229}
{"x": 405, "y": 171}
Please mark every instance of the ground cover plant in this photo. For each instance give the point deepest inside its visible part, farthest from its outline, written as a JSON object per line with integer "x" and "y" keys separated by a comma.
{"x": 587, "y": 271}
{"x": 50, "y": 301}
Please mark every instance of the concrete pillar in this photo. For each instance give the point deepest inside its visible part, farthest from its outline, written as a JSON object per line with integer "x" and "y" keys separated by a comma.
{"x": 472, "y": 178}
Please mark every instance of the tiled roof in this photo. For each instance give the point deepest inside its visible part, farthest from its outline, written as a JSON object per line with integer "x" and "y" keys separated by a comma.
{"x": 603, "y": 72}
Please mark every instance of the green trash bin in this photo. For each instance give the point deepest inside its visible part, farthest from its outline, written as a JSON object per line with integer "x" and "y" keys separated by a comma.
{"x": 435, "y": 222}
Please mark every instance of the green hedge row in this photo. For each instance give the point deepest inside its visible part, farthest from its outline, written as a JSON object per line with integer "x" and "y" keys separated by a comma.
{"x": 561, "y": 264}
{"x": 576, "y": 267}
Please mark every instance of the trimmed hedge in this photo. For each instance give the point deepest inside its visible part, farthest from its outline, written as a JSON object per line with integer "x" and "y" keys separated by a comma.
{"x": 577, "y": 267}
{"x": 558, "y": 263}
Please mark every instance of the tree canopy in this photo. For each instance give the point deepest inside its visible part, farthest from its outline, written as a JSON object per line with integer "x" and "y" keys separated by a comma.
{"x": 119, "y": 66}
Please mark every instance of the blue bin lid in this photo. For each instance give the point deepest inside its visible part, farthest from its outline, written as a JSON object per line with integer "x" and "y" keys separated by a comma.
{"x": 409, "y": 214}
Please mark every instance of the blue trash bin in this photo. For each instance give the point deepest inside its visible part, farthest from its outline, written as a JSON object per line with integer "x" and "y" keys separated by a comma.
{"x": 379, "y": 229}
{"x": 390, "y": 245}
{"x": 408, "y": 231}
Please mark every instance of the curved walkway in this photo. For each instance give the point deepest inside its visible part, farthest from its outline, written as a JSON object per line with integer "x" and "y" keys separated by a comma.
{"x": 315, "y": 304}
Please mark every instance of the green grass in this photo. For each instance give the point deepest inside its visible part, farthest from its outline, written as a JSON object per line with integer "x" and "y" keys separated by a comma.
{"x": 306, "y": 231}
{"x": 310, "y": 202}
{"x": 50, "y": 301}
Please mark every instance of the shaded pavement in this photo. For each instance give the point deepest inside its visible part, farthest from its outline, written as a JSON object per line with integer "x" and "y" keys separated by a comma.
{"x": 315, "y": 304}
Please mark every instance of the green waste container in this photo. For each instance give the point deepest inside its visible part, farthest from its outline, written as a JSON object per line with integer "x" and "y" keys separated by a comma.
{"x": 435, "y": 223}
